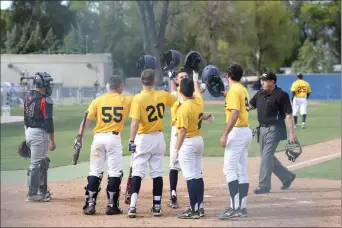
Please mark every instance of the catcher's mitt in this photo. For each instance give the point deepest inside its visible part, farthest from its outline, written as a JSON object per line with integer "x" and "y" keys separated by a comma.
{"x": 293, "y": 150}
{"x": 23, "y": 150}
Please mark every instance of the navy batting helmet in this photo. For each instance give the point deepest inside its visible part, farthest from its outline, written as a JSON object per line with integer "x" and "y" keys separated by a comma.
{"x": 211, "y": 77}
{"x": 170, "y": 60}
{"x": 147, "y": 62}
{"x": 192, "y": 62}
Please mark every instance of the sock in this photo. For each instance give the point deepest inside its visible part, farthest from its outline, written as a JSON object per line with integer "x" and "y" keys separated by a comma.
{"x": 200, "y": 183}
{"x": 135, "y": 188}
{"x": 233, "y": 190}
{"x": 236, "y": 201}
{"x": 295, "y": 119}
{"x": 173, "y": 182}
{"x": 113, "y": 191}
{"x": 243, "y": 192}
{"x": 304, "y": 118}
{"x": 157, "y": 190}
{"x": 193, "y": 192}
{"x": 92, "y": 189}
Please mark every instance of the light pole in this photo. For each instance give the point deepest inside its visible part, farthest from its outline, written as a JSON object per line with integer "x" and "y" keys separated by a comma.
{"x": 86, "y": 44}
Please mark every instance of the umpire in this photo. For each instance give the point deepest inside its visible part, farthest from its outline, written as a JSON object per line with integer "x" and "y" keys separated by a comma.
{"x": 273, "y": 106}
{"x": 39, "y": 135}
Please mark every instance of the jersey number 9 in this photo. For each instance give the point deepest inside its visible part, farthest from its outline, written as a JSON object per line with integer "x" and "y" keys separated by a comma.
{"x": 160, "y": 112}
{"x": 108, "y": 117}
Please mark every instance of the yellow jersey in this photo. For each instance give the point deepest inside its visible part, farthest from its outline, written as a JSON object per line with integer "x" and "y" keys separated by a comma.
{"x": 237, "y": 98}
{"x": 189, "y": 116}
{"x": 175, "y": 107}
{"x": 110, "y": 112}
{"x": 301, "y": 88}
{"x": 148, "y": 107}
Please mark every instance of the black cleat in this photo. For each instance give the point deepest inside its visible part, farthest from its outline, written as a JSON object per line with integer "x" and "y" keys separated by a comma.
{"x": 156, "y": 210}
{"x": 89, "y": 210}
{"x": 132, "y": 212}
{"x": 113, "y": 210}
{"x": 288, "y": 183}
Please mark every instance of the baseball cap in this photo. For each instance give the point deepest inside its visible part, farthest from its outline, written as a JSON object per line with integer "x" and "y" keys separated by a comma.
{"x": 268, "y": 76}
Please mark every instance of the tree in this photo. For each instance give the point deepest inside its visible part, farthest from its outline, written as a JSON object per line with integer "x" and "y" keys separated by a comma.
{"x": 12, "y": 38}
{"x": 314, "y": 59}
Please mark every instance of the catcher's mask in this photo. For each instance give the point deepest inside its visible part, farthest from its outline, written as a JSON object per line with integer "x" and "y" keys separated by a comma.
{"x": 44, "y": 80}
{"x": 211, "y": 77}
{"x": 192, "y": 62}
{"x": 293, "y": 150}
{"x": 146, "y": 62}
{"x": 170, "y": 60}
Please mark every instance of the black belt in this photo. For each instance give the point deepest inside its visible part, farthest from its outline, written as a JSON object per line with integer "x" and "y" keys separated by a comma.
{"x": 115, "y": 132}
{"x": 267, "y": 125}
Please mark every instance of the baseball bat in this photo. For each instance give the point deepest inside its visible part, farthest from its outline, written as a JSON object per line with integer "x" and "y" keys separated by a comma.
{"x": 78, "y": 145}
{"x": 128, "y": 186}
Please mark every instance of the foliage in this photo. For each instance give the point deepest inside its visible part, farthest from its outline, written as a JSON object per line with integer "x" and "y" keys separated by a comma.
{"x": 314, "y": 59}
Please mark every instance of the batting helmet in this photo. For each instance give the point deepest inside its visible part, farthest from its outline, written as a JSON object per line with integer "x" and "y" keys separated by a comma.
{"x": 192, "y": 62}
{"x": 170, "y": 60}
{"x": 211, "y": 77}
{"x": 147, "y": 62}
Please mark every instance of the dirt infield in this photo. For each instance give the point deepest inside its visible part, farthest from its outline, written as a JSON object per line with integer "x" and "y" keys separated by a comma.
{"x": 307, "y": 203}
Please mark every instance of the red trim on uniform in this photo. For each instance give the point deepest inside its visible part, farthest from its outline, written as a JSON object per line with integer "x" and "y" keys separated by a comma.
{"x": 43, "y": 107}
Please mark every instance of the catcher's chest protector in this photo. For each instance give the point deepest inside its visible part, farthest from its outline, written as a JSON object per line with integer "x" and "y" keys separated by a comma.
{"x": 32, "y": 107}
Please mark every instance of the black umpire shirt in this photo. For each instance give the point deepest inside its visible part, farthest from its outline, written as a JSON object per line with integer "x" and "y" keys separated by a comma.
{"x": 272, "y": 108}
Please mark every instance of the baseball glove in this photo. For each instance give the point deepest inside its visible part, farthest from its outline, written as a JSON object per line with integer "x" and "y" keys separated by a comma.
{"x": 23, "y": 150}
{"x": 293, "y": 150}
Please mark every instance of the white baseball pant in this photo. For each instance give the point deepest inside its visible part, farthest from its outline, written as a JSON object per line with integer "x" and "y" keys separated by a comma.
{"x": 236, "y": 157}
{"x": 299, "y": 104}
{"x": 150, "y": 149}
{"x": 172, "y": 147}
{"x": 190, "y": 157}
{"x": 106, "y": 146}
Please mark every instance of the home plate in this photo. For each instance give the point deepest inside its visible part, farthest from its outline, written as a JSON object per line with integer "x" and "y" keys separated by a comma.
{"x": 205, "y": 196}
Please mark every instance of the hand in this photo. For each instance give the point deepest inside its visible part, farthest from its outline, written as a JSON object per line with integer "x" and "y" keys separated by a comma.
{"x": 210, "y": 118}
{"x": 203, "y": 87}
{"x": 78, "y": 141}
{"x": 172, "y": 75}
{"x": 224, "y": 93}
{"x": 293, "y": 138}
{"x": 131, "y": 146}
{"x": 174, "y": 157}
{"x": 52, "y": 145}
{"x": 194, "y": 75}
{"x": 223, "y": 141}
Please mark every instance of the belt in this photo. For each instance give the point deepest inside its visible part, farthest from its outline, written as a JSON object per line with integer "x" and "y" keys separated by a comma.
{"x": 113, "y": 132}
{"x": 267, "y": 125}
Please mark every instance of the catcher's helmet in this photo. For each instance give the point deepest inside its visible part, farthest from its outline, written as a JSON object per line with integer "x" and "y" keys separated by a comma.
{"x": 146, "y": 62}
{"x": 192, "y": 62}
{"x": 43, "y": 80}
{"x": 170, "y": 60}
{"x": 211, "y": 77}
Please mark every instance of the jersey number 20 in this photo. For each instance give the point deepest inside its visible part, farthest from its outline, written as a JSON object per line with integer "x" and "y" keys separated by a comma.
{"x": 108, "y": 117}
{"x": 160, "y": 112}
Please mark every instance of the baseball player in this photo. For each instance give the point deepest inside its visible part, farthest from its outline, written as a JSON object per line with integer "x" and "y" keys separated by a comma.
{"x": 189, "y": 146}
{"x": 147, "y": 139}
{"x": 174, "y": 169}
{"x": 236, "y": 140}
{"x": 39, "y": 135}
{"x": 110, "y": 112}
{"x": 300, "y": 94}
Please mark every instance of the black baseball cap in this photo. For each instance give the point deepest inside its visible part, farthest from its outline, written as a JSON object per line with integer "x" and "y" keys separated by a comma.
{"x": 269, "y": 76}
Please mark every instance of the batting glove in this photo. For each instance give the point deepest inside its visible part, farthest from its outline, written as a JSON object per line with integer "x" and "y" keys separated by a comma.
{"x": 194, "y": 75}
{"x": 172, "y": 75}
{"x": 174, "y": 157}
{"x": 131, "y": 146}
{"x": 211, "y": 118}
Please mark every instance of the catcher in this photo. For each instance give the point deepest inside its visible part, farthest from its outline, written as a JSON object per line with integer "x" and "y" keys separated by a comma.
{"x": 39, "y": 136}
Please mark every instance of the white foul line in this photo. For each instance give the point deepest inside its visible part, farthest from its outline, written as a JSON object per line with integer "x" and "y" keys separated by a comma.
{"x": 315, "y": 159}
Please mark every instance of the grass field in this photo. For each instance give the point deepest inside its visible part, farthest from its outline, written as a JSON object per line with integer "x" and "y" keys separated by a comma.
{"x": 323, "y": 123}
{"x": 327, "y": 170}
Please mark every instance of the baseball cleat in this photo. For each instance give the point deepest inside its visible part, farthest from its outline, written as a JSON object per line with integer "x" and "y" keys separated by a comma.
{"x": 201, "y": 212}
{"x": 189, "y": 214}
{"x": 89, "y": 210}
{"x": 296, "y": 125}
{"x": 228, "y": 214}
{"x": 288, "y": 183}
{"x": 173, "y": 202}
{"x": 261, "y": 190}
{"x": 156, "y": 210}
{"x": 113, "y": 210}
{"x": 303, "y": 125}
{"x": 132, "y": 212}
{"x": 34, "y": 198}
{"x": 241, "y": 213}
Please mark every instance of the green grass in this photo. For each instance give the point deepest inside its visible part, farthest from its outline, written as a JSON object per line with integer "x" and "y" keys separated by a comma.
{"x": 325, "y": 170}
{"x": 323, "y": 124}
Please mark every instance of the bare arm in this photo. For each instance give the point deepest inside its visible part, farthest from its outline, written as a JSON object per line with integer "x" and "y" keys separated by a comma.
{"x": 134, "y": 129}
{"x": 289, "y": 119}
{"x": 180, "y": 138}
{"x": 197, "y": 87}
{"x": 231, "y": 122}
{"x": 173, "y": 86}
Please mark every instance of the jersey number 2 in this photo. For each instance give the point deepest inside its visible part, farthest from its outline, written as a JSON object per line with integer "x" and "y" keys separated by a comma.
{"x": 302, "y": 89}
{"x": 160, "y": 109}
{"x": 108, "y": 117}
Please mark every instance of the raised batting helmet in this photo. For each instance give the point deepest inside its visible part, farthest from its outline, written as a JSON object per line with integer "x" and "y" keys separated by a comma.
{"x": 170, "y": 60}
{"x": 192, "y": 62}
{"x": 147, "y": 62}
{"x": 211, "y": 77}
